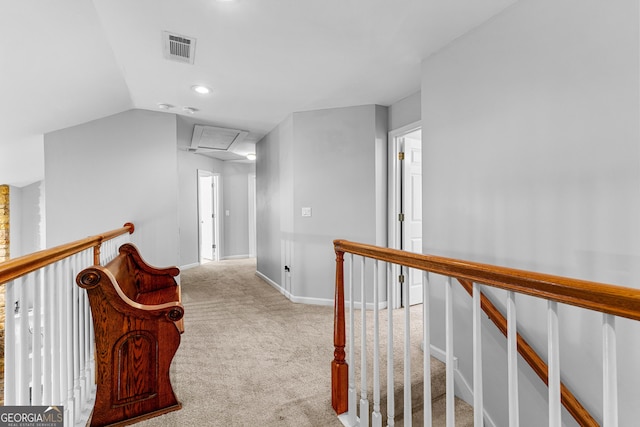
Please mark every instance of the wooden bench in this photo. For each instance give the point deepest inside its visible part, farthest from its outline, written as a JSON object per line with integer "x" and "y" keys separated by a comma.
{"x": 137, "y": 317}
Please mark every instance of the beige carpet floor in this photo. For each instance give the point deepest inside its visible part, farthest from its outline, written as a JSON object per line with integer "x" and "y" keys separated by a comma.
{"x": 250, "y": 357}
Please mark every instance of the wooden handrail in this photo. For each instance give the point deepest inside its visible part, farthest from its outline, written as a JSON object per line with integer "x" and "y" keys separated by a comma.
{"x": 17, "y": 267}
{"x": 610, "y": 299}
{"x": 616, "y": 300}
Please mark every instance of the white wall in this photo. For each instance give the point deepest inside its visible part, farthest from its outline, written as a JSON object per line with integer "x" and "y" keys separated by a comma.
{"x": 104, "y": 173}
{"x": 531, "y": 150}
{"x": 338, "y": 169}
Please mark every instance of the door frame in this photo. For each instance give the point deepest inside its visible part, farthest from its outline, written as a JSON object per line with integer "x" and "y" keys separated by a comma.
{"x": 215, "y": 198}
{"x": 394, "y": 202}
{"x": 252, "y": 215}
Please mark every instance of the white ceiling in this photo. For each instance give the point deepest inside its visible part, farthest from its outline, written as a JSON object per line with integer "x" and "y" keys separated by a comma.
{"x": 66, "y": 62}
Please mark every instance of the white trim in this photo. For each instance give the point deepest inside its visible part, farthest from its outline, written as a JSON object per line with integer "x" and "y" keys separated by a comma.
{"x": 188, "y": 266}
{"x": 278, "y": 288}
{"x": 313, "y": 301}
{"x": 226, "y": 258}
{"x": 462, "y": 388}
{"x": 393, "y": 207}
{"x": 252, "y": 214}
{"x": 345, "y": 420}
{"x": 441, "y": 355}
{"x": 465, "y": 392}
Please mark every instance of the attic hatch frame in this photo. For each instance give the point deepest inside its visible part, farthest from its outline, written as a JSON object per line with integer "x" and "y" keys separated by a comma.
{"x": 216, "y": 140}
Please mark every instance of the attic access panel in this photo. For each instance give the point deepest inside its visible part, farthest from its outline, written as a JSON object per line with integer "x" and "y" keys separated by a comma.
{"x": 215, "y": 139}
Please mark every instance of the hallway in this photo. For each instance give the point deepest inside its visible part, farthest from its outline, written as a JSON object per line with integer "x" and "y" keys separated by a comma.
{"x": 249, "y": 357}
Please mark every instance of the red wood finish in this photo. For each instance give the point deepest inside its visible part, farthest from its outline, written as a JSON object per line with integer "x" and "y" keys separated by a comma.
{"x": 17, "y": 267}
{"x": 137, "y": 317}
{"x": 339, "y": 367}
{"x": 611, "y": 299}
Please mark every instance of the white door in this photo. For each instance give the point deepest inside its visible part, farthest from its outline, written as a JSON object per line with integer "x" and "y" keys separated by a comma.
{"x": 412, "y": 209}
{"x": 205, "y": 216}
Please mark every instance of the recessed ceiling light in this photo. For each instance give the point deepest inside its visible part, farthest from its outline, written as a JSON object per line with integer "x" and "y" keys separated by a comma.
{"x": 202, "y": 90}
{"x": 189, "y": 110}
{"x": 163, "y": 106}
{"x": 251, "y": 156}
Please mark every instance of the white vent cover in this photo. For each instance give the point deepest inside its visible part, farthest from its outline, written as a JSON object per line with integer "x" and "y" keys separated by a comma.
{"x": 178, "y": 48}
{"x": 211, "y": 139}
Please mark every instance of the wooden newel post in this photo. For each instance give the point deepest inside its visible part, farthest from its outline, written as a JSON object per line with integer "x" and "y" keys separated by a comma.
{"x": 339, "y": 367}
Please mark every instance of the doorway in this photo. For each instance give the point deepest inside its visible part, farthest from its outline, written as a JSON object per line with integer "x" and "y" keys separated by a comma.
{"x": 405, "y": 213}
{"x": 208, "y": 218}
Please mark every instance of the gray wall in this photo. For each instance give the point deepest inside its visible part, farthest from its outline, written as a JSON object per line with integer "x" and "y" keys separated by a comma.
{"x": 104, "y": 173}
{"x": 274, "y": 203}
{"x": 235, "y": 184}
{"x": 405, "y": 112}
{"x": 27, "y": 220}
{"x": 188, "y": 165}
{"x": 334, "y": 162}
{"x": 15, "y": 222}
{"x": 531, "y": 149}
{"x": 134, "y": 167}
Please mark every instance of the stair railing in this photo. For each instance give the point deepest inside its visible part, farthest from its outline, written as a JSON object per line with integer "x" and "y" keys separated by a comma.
{"x": 612, "y": 301}
{"x": 49, "y": 342}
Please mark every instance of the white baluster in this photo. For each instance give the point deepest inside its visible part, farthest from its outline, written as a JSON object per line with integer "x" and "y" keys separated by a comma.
{"x": 24, "y": 339}
{"x": 376, "y": 417}
{"x": 553, "y": 337}
{"x": 391, "y": 410}
{"x": 60, "y": 357}
{"x": 364, "y": 402}
{"x": 77, "y": 391}
{"x": 426, "y": 339}
{"x": 610, "y": 371}
{"x": 67, "y": 333}
{"x": 85, "y": 259}
{"x": 512, "y": 356}
{"x": 353, "y": 393}
{"x": 478, "y": 401}
{"x": 47, "y": 344}
{"x": 54, "y": 321}
{"x": 36, "y": 334}
{"x": 450, "y": 396}
{"x": 11, "y": 378}
{"x": 408, "y": 419}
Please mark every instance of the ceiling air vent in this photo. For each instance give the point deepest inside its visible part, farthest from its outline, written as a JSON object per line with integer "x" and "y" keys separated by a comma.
{"x": 179, "y": 48}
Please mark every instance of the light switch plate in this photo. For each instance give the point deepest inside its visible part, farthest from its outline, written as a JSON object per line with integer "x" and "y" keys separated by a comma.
{"x": 306, "y": 211}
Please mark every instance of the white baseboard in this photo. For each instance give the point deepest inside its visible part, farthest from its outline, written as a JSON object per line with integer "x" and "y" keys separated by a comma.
{"x": 188, "y": 266}
{"x": 277, "y": 287}
{"x": 314, "y": 301}
{"x": 235, "y": 257}
{"x": 461, "y": 386}
{"x": 464, "y": 391}
{"x": 441, "y": 355}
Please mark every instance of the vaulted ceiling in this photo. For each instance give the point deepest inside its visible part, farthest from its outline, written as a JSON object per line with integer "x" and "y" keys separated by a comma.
{"x": 66, "y": 62}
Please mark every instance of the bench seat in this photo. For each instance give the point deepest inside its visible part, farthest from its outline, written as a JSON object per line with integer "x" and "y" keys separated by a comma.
{"x": 138, "y": 320}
